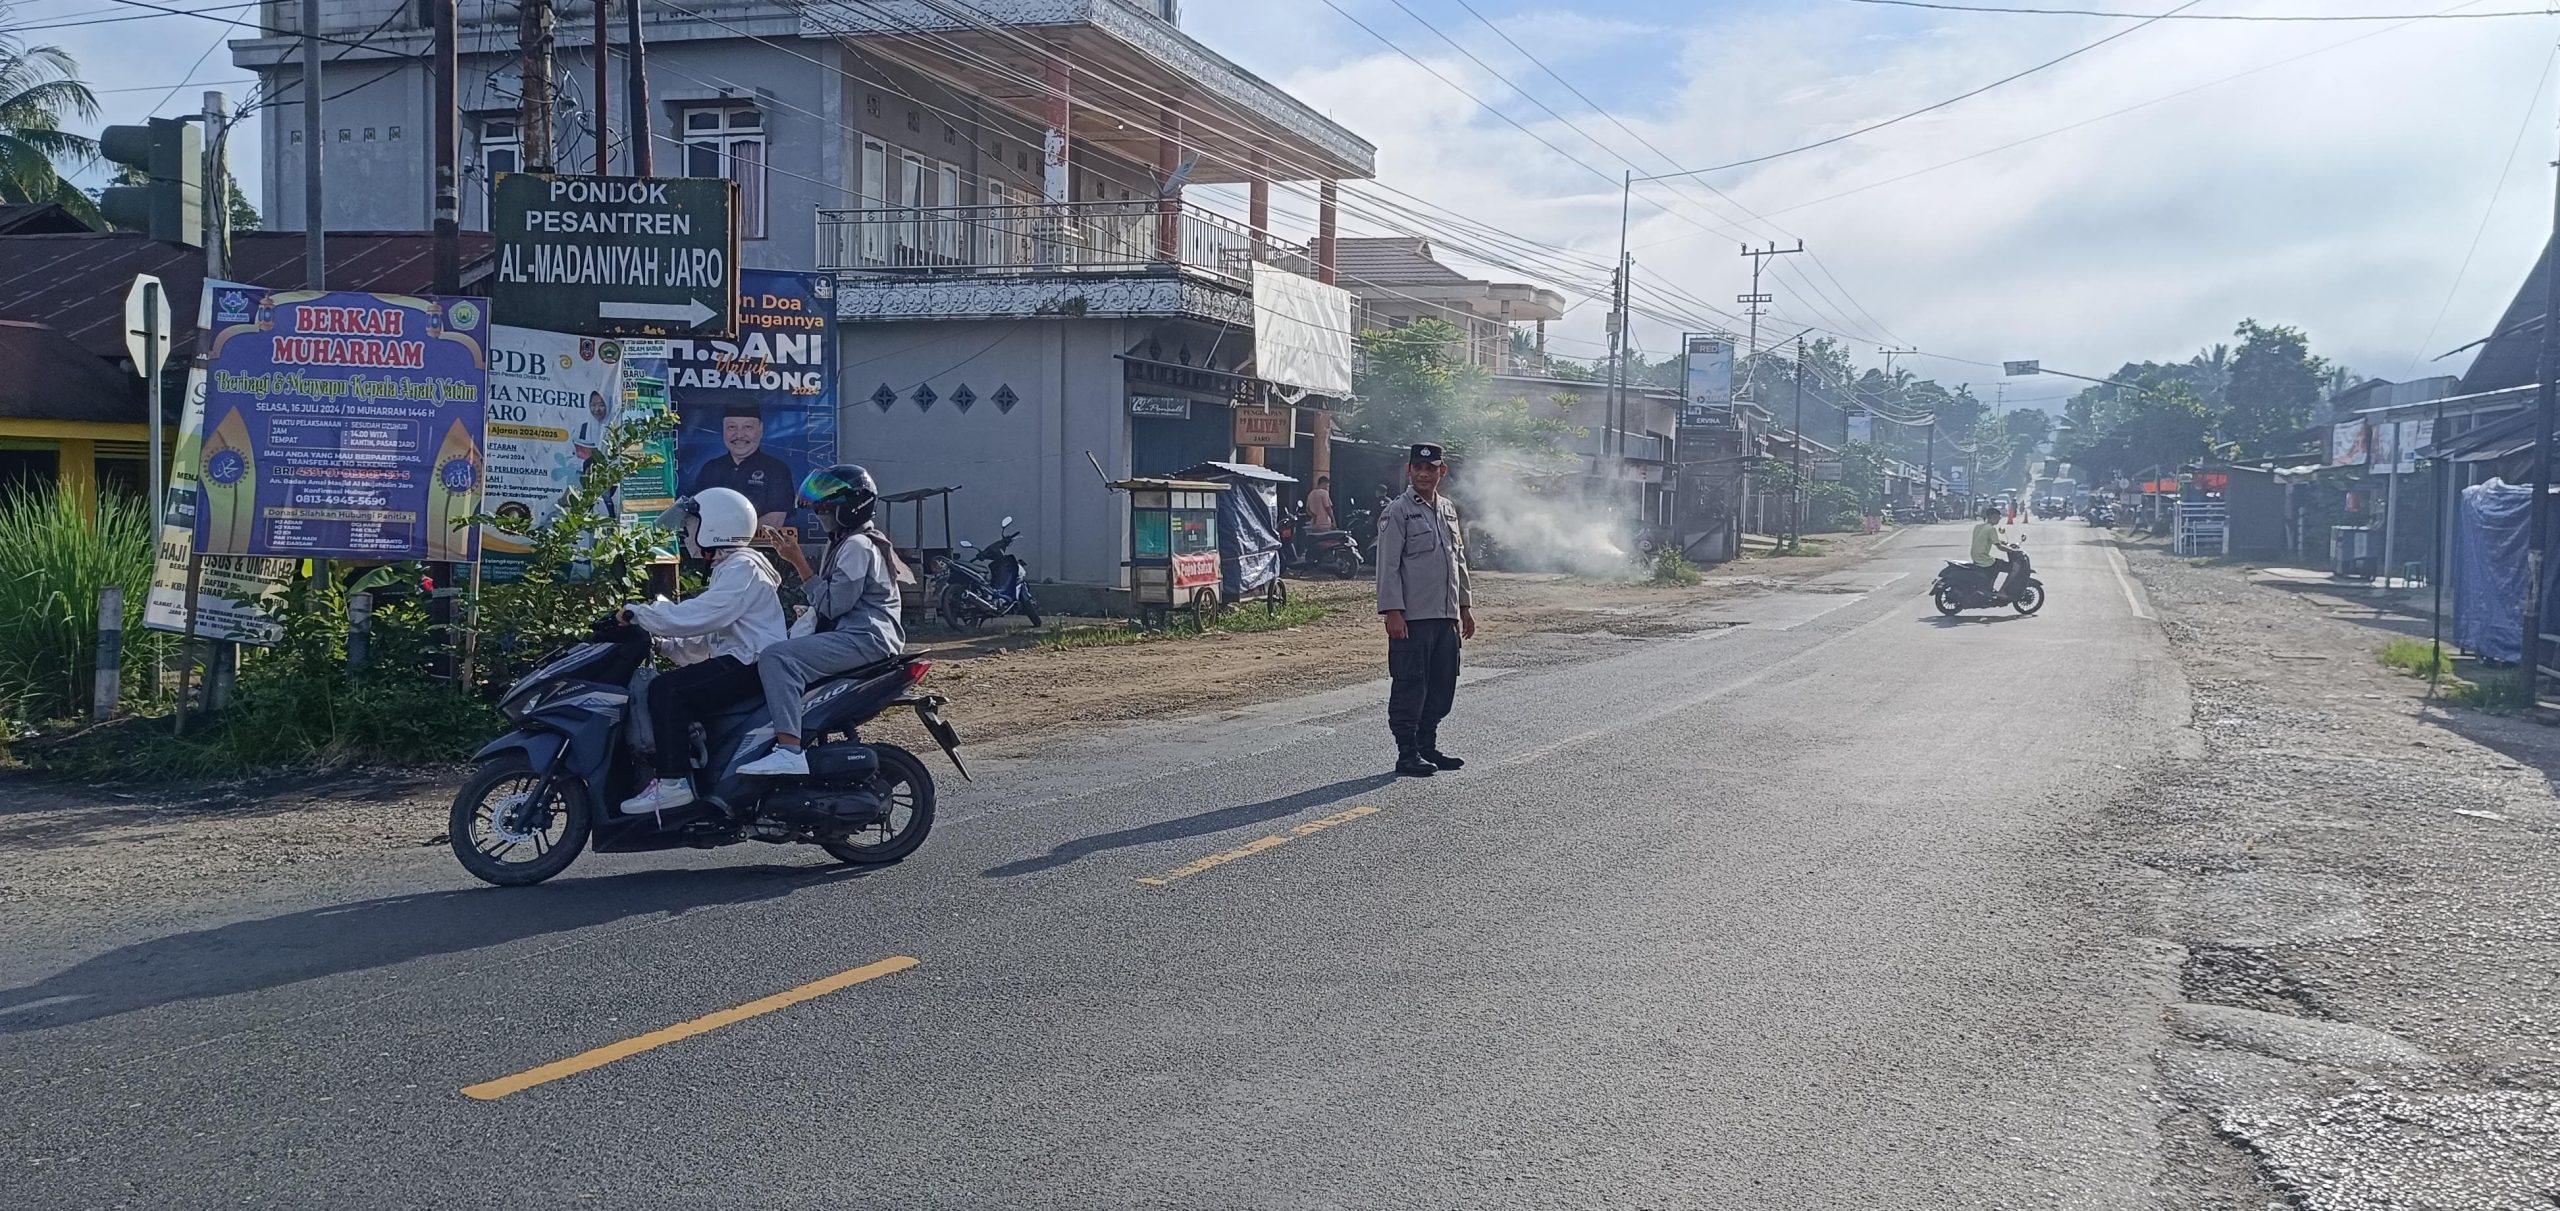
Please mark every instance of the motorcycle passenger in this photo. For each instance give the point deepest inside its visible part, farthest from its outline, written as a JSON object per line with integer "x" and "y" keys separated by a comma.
{"x": 1987, "y": 545}
{"x": 713, "y": 636}
{"x": 852, "y": 618}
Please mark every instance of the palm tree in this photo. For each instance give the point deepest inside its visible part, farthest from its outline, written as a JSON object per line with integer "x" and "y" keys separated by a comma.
{"x": 40, "y": 88}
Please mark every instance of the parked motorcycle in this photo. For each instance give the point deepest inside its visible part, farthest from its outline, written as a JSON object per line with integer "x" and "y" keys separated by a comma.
{"x": 1335, "y": 552}
{"x": 978, "y": 584}
{"x": 545, "y": 791}
{"x": 2101, "y": 515}
{"x": 1962, "y": 586}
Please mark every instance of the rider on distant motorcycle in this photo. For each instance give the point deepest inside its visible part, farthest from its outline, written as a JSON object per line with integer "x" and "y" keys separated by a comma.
{"x": 852, "y": 618}
{"x": 713, "y": 636}
{"x": 1987, "y": 544}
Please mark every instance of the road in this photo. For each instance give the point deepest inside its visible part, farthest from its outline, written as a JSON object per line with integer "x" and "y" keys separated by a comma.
{"x": 1801, "y": 909}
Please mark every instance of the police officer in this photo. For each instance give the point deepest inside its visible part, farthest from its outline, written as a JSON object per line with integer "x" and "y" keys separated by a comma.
{"x": 1427, "y": 603}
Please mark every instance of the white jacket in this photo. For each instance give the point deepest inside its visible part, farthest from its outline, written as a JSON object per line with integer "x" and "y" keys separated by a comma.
{"x": 738, "y": 614}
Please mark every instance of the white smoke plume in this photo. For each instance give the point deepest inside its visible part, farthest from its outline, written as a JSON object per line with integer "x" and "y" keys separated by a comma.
{"x": 1529, "y": 515}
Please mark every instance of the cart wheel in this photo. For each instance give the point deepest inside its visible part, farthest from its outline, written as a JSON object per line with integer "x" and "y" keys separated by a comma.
{"x": 1275, "y": 596}
{"x": 1204, "y": 608}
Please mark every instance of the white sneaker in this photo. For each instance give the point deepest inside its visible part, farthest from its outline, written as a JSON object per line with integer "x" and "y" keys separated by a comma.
{"x": 780, "y": 763}
{"x": 663, "y": 794}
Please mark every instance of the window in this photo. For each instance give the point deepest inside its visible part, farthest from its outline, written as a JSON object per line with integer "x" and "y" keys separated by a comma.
{"x": 949, "y": 234}
{"x": 874, "y": 196}
{"x": 1004, "y": 247}
{"x": 729, "y": 141}
{"x": 911, "y": 199}
{"x": 499, "y": 148}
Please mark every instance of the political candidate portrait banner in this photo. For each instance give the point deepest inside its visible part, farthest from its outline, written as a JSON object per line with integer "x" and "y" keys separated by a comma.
{"x": 758, "y": 413}
{"x": 553, "y": 399}
{"x": 342, "y": 425}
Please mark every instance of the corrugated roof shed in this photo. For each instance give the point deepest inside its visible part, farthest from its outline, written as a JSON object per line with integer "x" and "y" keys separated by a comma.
{"x": 45, "y": 377}
{"x": 2513, "y": 357}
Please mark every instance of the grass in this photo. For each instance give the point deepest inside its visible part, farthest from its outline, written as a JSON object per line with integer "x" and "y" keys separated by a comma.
{"x": 53, "y": 560}
{"x": 1243, "y": 619}
{"x": 1674, "y": 569}
{"x": 2484, "y": 689}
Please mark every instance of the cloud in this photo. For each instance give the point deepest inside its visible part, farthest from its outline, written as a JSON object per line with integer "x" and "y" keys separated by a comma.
{"x": 2336, "y": 193}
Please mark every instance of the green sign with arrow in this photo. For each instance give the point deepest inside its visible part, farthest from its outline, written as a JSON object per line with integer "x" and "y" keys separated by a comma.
{"x": 616, "y": 256}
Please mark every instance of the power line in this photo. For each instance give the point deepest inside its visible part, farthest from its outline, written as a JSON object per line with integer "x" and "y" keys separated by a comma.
{"x": 264, "y": 29}
{"x": 2532, "y": 108}
{"x": 1876, "y": 126}
{"x": 88, "y": 18}
{"x": 2177, "y": 16}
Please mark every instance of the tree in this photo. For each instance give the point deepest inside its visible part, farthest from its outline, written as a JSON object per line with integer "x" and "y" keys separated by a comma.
{"x": 2274, "y": 386}
{"x": 40, "y": 88}
{"x": 1416, "y": 384}
{"x": 244, "y": 217}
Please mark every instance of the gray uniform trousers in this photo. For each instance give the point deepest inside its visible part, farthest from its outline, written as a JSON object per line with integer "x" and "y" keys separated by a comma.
{"x": 1424, "y": 672}
{"x": 787, "y": 668}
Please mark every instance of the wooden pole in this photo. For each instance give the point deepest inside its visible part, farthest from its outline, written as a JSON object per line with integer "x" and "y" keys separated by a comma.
{"x": 187, "y": 644}
{"x": 108, "y": 688}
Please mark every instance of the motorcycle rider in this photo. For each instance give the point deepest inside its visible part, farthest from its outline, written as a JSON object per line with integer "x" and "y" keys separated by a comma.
{"x": 852, "y": 619}
{"x": 713, "y": 636}
{"x": 1986, "y": 545}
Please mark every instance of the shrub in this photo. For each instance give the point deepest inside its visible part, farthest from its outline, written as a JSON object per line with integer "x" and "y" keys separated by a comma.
{"x": 53, "y": 560}
{"x": 1670, "y": 567}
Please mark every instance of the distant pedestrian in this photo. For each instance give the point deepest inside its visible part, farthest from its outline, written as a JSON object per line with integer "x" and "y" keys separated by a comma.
{"x": 1320, "y": 504}
{"x": 1427, "y": 601}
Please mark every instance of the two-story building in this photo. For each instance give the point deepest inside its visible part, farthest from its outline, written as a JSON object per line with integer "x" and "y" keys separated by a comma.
{"x": 1397, "y": 282}
{"x": 999, "y": 187}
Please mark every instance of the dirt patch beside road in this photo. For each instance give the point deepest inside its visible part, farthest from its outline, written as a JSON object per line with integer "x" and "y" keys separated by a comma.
{"x": 2364, "y": 885}
{"x": 72, "y": 844}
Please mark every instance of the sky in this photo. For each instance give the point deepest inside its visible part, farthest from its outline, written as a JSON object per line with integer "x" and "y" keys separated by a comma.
{"x": 2340, "y": 192}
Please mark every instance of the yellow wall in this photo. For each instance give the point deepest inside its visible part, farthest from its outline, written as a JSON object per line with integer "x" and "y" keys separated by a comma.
{"x": 76, "y": 450}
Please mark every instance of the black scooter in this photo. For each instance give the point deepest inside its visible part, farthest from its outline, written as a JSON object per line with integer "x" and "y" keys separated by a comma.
{"x": 1961, "y": 586}
{"x": 982, "y": 583}
{"x": 1335, "y": 552}
{"x": 549, "y": 788}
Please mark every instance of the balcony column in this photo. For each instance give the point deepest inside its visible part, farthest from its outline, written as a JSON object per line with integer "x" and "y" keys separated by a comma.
{"x": 1054, "y": 190}
{"x": 1168, "y": 194}
{"x": 1320, "y": 447}
{"x": 1328, "y": 201}
{"x": 1258, "y": 211}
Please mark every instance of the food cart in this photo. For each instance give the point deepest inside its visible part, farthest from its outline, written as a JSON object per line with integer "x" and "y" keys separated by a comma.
{"x": 1173, "y": 546}
{"x": 1248, "y": 530}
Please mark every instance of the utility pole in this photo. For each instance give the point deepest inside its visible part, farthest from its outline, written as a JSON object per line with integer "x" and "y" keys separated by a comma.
{"x": 1795, "y": 524}
{"x": 1755, "y": 300}
{"x": 448, "y": 149}
{"x": 1618, "y": 341}
{"x": 604, "y": 87}
{"x": 2546, "y": 415}
{"x": 1929, "y": 475}
{"x": 217, "y": 191}
{"x": 315, "y": 227}
{"x": 533, "y": 35}
{"x": 635, "y": 75}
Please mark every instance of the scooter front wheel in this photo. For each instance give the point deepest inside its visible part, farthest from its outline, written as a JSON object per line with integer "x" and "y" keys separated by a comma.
{"x": 1943, "y": 596}
{"x": 503, "y": 838}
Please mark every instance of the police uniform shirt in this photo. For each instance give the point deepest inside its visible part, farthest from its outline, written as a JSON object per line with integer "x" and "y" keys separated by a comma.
{"x": 764, "y": 480}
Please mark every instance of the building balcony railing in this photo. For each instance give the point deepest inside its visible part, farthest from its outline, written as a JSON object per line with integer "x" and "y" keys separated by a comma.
{"x": 1075, "y": 238}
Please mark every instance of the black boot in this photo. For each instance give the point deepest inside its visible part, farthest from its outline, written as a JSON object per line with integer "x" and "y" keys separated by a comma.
{"x": 1411, "y": 764}
{"x": 1428, "y": 747}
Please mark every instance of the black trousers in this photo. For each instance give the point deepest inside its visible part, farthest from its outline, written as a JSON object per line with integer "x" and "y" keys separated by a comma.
{"x": 1424, "y": 666}
{"x": 684, "y": 696}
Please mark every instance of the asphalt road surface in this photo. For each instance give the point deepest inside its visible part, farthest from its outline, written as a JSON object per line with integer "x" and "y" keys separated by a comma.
{"x": 1801, "y": 909}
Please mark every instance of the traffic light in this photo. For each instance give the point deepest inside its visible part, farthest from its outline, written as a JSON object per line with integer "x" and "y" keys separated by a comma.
{"x": 170, "y": 153}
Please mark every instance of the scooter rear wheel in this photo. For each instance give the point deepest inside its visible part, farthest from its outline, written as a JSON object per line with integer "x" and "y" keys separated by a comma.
{"x": 908, "y": 787}
{"x": 539, "y": 842}
{"x": 2029, "y": 599}
{"x": 1342, "y": 563}
{"x": 1944, "y": 597}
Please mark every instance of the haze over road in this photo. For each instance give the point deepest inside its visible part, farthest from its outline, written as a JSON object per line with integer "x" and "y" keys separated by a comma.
{"x": 1805, "y": 909}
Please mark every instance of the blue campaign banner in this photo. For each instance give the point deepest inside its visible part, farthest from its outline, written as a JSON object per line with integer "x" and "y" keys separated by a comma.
{"x": 341, "y": 425}
{"x": 757, "y": 413}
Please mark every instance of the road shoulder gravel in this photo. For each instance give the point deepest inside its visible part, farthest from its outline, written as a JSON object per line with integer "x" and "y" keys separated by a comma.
{"x": 2364, "y": 886}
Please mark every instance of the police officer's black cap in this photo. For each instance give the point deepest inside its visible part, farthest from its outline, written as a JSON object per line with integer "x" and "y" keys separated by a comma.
{"x": 1427, "y": 453}
{"x": 745, "y": 407}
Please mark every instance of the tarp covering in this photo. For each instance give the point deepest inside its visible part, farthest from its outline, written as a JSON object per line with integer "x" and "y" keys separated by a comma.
{"x": 2489, "y": 540}
{"x": 1301, "y": 332}
{"x": 1248, "y": 525}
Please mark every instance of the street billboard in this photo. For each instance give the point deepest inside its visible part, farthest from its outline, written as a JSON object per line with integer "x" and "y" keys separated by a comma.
{"x": 553, "y": 398}
{"x": 343, "y": 425}
{"x": 1301, "y": 332}
{"x": 616, "y": 256}
{"x": 1708, "y": 379}
{"x": 2350, "y": 444}
{"x": 758, "y": 413}
{"x": 237, "y": 599}
{"x": 1862, "y": 428}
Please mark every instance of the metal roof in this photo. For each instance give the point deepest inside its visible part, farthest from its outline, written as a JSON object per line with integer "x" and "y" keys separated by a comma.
{"x": 46, "y": 377}
{"x": 2513, "y": 357}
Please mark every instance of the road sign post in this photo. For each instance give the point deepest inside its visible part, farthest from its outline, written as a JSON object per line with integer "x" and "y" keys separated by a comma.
{"x": 616, "y": 256}
{"x": 146, "y": 337}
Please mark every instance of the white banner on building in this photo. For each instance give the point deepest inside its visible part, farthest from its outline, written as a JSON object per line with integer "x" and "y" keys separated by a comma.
{"x": 2350, "y": 444}
{"x": 236, "y": 596}
{"x": 1710, "y": 375}
{"x": 1862, "y": 428}
{"x": 1301, "y": 332}
{"x": 552, "y": 398}
{"x": 2396, "y": 446}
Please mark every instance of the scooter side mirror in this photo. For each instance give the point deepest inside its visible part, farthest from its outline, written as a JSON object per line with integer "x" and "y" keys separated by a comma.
{"x": 967, "y": 545}
{"x": 1007, "y": 522}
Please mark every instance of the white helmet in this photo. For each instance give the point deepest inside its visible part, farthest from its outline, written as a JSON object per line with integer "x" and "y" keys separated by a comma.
{"x": 713, "y": 518}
